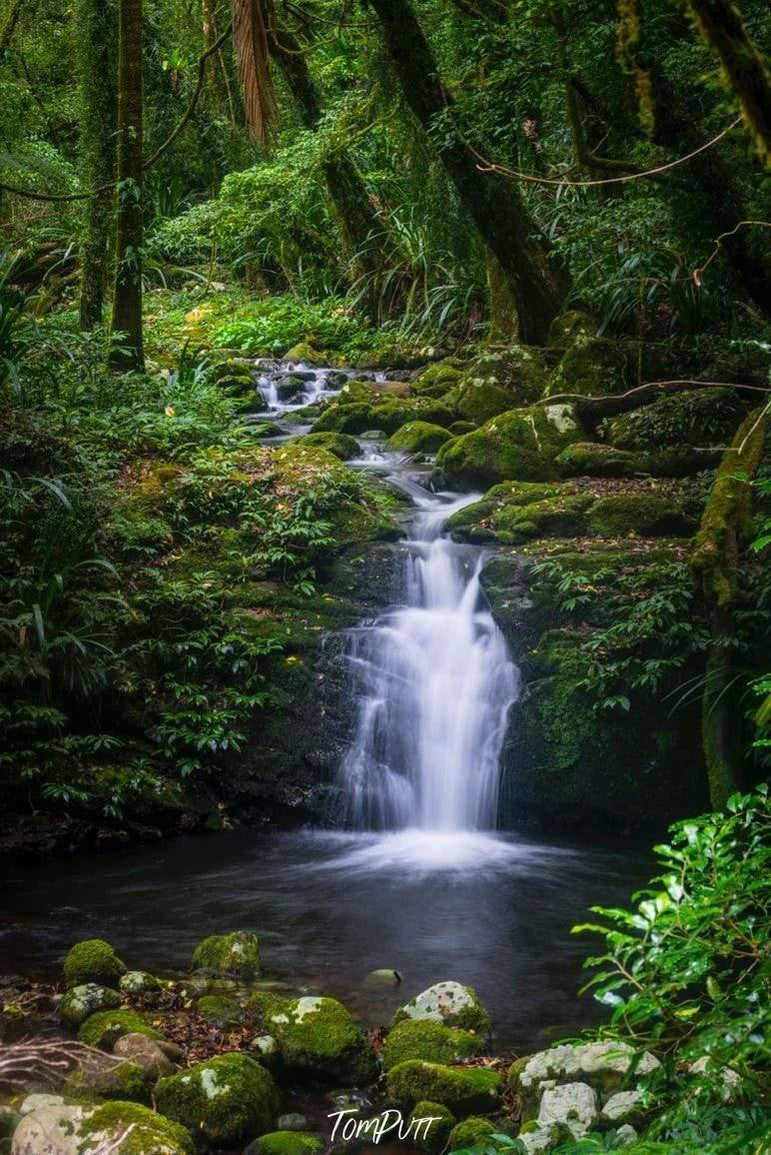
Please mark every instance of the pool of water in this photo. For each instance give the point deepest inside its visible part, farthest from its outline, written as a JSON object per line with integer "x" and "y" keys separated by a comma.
{"x": 492, "y": 911}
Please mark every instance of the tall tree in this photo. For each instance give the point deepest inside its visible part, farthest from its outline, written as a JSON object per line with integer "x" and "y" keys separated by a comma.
{"x": 538, "y": 285}
{"x": 127, "y": 351}
{"x": 362, "y": 229}
{"x": 96, "y": 28}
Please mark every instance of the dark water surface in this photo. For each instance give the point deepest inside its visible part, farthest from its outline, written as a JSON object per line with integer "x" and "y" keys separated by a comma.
{"x": 494, "y": 912}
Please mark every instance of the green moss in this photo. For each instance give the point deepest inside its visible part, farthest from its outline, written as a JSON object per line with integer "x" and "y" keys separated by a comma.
{"x": 597, "y": 460}
{"x": 305, "y": 352}
{"x": 105, "y": 1028}
{"x": 286, "y": 1143}
{"x": 458, "y": 428}
{"x": 522, "y": 444}
{"x": 419, "y": 437}
{"x": 391, "y": 413}
{"x": 126, "y": 1080}
{"x": 342, "y": 445}
{"x": 646, "y": 514}
{"x": 438, "y": 1131}
{"x": 520, "y": 370}
{"x": 432, "y": 1042}
{"x": 228, "y": 1098}
{"x": 80, "y": 1002}
{"x": 317, "y": 1035}
{"x": 436, "y": 380}
{"x": 460, "y": 1089}
{"x": 591, "y": 367}
{"x": 477, "y": 400}
{"x": 218, "y": 1009}
{"x": 695, "y": 417}
{"x": 472, "y": 1132}
{"x": 150, "y": 1134}
{"x": 92, "y": 961}
{"x": 570, "y": 327}
{"x": 237, "y": 953}
{"x": 345, "y": 417}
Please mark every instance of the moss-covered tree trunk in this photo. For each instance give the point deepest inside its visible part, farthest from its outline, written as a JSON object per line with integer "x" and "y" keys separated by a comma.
{"x": 362, "y": 229}
{"x": 96, "y": 29}
{"x": 743, "y": 66}
{"x": 537, "y": 283}
{"x": 126, "y": 351}
{"x": 725, "y": 527}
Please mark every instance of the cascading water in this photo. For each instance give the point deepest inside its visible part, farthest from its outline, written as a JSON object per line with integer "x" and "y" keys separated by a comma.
{"x": 434, "y": 683}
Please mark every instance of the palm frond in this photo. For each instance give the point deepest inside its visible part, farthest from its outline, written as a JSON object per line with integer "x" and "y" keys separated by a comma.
{"x": 250, "y": 37}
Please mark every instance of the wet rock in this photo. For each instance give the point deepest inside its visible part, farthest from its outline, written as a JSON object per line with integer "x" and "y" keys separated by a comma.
{"x": 80, "y": 1002}
{"x": 319, "y": 1036}
{"x": 226, "y": 1099}
{"x": 139, "y": 983}
{"x": 385, "y": 977}
{"x": 449, "y": 1003}
{"x": 571, "y": 1104}
{"x": 146, "y": 1053}
{"x": 237, "y": 953}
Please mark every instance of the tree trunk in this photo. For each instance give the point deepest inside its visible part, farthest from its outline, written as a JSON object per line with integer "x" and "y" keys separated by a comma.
{"x": 725, "y": 526}
{"x": 743, "y": 66}
{"x": 96, "y": 26}
{"x": 126, "y": 350}
{"x": 538, "y": 285}
{"x": 361, "y": 227}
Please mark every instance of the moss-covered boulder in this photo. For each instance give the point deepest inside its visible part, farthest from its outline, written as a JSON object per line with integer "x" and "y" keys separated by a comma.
{"x": 105, "y": 1028}
{"x": 436, "y": 380}
{"x": 458, "y": 428}
{"x": 237, "y": 953}
{"x": 139, "y": 983}
{"x": 342, "y": 445}
{"x": 571, "y": 326}
{"x": 463, "y": 1090}
{"x": 418, "y": 437}
{"x": 80, "y": 1002}
{"x": 644, "y": 513}
{"x": 449, "y": 1003}
{"x": 285, "y": 1143}
{"x": 219, "y": 1010}
{"x": 477, "y": 522}
{"x": 92, "y": 961}
{"x": 430, "y": 1126}
{"x": 430, "y": 1041}
{"x": 696, "y": 417}
{"x": 319, "y": 1036}
{"x": 109, "y": 1080}
{"x": 559, "y": 513}
{"x": 604, "y": 1066}
{"x": 121, "y": 1127}
{"x": 471, "y": 1132}
{"x": 519, "y": 370}
{"x": 386, "y": 412}
{"x": 591, "y": 367}
{"x": 477, "y": 400}
{"x": 522, "y": 444}
{"x": 228, "y": 1099}
{"x": 345, "y": 417}
{"x": 303, "y": 352}
{"x": 595, "y": 459}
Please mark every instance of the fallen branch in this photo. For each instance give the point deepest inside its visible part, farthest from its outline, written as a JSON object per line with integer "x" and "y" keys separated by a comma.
{"x": 604, "y": 405}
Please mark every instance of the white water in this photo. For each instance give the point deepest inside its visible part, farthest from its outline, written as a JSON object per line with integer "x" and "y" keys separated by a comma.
{"x": 316, "y": 388}
{"x": 434, "y": 683}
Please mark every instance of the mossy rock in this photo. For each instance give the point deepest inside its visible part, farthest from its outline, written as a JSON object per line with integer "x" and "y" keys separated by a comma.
{"x": 342, "y": 445}
{"x": 345, "y": 417}
{"x": 319, "y": 1036}
{"x": 458, "y": 428}
{"x": 127, "y": 1080}
{"x": 237, "y": 953}
{"x": 80, "y": 1002}
{"x": 644, "y": 514}
{"x": 476, "y": 522}
{"x": 229, "y": 367}
{"x": 285, "y": 1143}
{"x": 397, "y": 355}
{"x": 93, "y": 961}
{"x": 227, "y": 1099}
{"x": 391, "y": 413}
{"x": 474, "y": 399}
{"x": 303, "y": 351}
{"x": 522, "y": 444}
{"x": 463, "y": 1090}
{"x": 240, "y": 383}
{"x": 289, "y": 387}
{"x": 471, "y": 1132}
{"x": 571, "y": 326}
{"x": 696, "y": 417}
{"x": 102, "y": 1030}
{"x": 436, "y": 380}
{"x": 603, "y": 1065}
{"x": 591, "y": 367}
{"x": 432, "y": 1042}
{"x": 433, "y": 1136}
{"x": 594, "y": 459}
{"x": 139, "y": 983}
{"x": 449, "y": 1003}
{"x": 149, "y": 1134}
{"x": 418, "y": 437}
{"x": 220, "y": 1010}
{"x": 520, "y": 370}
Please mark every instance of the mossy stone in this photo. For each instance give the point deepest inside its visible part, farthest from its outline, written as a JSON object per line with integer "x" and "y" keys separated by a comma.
{"x": 342, "y": 445}
{"x": 571, "y": 326}
{"x": 520, "y": 370}
{"x": 149, "y": 1134}
{"x": 522, "y": 444}
{"x": 474, "y": 399}
{"x": 219, "y": 1010}
{"x": 79, "y": 1003}
{"x": 458, "y": 428}
{"x": 471, "y": 1132}
{"x": 390, "y": 413}
{"x": 431, "y": 1137}
{"x": 594, "y": 459}
{"x": 227, "y": 1098}
{"x": 590, "y": 367}
{"x": 92, "y": 961}
{"x": 345, "y": 417}
{"x": 450, "y": 1003}
{"x": 303, "y": 351}
{"x": 127, "y": 1080}
{"x": 418, "y": 437}
{"x": 436, "y": 380}
{"x": 432, "y": 1042}
{"x": 696, "y": 417}
{"x": 645, "y": 514}
{"x": 102, "y": 1030}
{"x": 285, "y": 1143}
{"x": 237, "y": 953}
{"x": 319, "y": 1036}
{"x": 139, "y": 983}
{"x": 463, "y": 1090}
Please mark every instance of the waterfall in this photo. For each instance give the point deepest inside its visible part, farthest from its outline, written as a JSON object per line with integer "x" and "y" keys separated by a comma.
{"x": 433, "y": 681}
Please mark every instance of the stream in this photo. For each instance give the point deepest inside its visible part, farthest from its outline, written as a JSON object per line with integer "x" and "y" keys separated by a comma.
{"x": 417, "y": 878}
